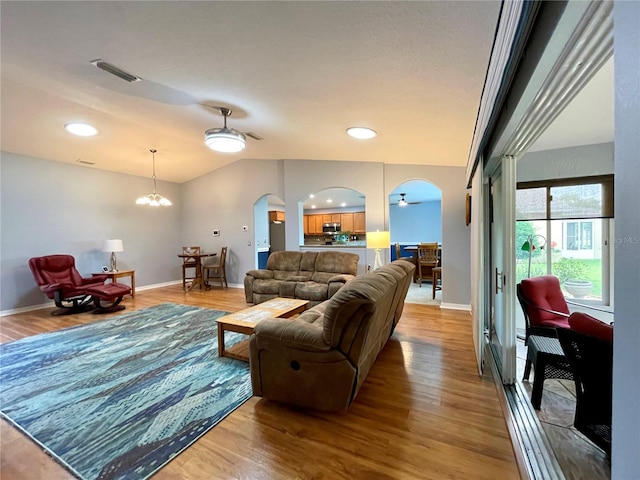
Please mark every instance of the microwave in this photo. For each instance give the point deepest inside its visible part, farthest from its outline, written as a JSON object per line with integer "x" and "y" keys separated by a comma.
{"x": 330, "y": 227}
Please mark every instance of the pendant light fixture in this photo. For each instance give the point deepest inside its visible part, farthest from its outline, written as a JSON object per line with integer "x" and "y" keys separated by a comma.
{"x": 227, "y": 140}
{"x": 154, "y": 199}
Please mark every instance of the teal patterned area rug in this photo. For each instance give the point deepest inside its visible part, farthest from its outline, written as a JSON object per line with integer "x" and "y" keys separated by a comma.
{"x": 119, "y": 398}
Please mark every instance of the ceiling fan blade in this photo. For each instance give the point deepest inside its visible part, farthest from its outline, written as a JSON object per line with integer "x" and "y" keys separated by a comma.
{"x": 253, "y": 135}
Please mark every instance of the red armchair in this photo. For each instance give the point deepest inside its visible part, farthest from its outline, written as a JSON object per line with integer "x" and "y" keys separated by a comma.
{"x": 588, "y": 346}
{"x": 543, "y": 305}
{"x": 57, "y": 277}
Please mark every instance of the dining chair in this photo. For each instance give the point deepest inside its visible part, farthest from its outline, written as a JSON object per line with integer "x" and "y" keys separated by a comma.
{"x": 436, "y": 280}
{"x": 400, "y": 257}
{"x": 427, "y": 260}
{"x": 216, "y": 269}
{"x": 189, "y": 263}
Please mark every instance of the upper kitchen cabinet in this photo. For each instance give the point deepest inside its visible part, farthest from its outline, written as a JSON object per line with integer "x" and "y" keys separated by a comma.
{"x": 276, "y": 216}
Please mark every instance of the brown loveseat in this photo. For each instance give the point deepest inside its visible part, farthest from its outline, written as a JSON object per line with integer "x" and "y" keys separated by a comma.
{"x": 313, "y": 276}
{"x": 320, "y": 359}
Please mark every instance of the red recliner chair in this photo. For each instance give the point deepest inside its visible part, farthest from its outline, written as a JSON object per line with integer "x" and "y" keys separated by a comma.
{"x": 56, "y": 275}
{"x": 543, "y": 305}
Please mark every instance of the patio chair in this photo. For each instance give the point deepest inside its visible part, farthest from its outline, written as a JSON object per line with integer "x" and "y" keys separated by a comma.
{"x": 591, "y": 360}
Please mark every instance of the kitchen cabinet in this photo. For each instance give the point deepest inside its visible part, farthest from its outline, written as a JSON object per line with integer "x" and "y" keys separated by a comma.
{"x": 346, "y": 222}
{"x": 359, "y": 223}
{"x": 318, "y": 224}
{"x": 276, "y": 216}
{"x": 331, "y": 218}
{"x": 305, "y": 224}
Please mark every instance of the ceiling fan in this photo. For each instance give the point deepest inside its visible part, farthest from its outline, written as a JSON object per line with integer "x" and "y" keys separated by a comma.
{"x": 227, "y": 139}
{"x": 403, "y": 202}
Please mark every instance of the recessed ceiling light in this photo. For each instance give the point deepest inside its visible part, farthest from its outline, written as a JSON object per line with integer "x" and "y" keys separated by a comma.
{"x": 81, "y": 129}
{"x": 312, "y": 196}
{"x": 343, "y": 204}
{"x": 313, "y": 206}
{"x": 329, "y": 200}
{"x": 361, "y": 133}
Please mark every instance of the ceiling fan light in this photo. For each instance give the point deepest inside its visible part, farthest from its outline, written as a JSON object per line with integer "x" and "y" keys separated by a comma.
{"x": 226, "y": 140}
{"x": 361, "y": 133}
{"x": 402, "y": 203}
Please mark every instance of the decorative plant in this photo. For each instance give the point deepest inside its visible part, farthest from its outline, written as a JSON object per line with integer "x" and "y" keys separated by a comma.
{"x": 568, "y": 269}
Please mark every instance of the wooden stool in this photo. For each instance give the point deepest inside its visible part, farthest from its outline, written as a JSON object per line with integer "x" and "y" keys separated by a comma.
{"x": 436, "y": 275}
{"x": 547, "y": 357}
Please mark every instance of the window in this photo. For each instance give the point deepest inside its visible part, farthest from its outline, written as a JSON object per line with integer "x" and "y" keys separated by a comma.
{"x": 563, "y": 228}
{"x": 579, "y": 236}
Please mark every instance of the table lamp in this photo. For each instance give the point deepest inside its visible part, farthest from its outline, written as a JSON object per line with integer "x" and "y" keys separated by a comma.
{"x": 113, "y": 245}
{"x": 378, "y": 240}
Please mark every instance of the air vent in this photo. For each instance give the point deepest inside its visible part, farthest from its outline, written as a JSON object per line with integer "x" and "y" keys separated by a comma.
{"x": 113, "y": 70}
{"x": 84, "y": 162}
{"x": 255, "y": 136}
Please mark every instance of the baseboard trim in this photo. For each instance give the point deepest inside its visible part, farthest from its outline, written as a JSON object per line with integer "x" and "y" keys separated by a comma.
{"x": 456, "y": 306}
{"x": 31, "y": 308}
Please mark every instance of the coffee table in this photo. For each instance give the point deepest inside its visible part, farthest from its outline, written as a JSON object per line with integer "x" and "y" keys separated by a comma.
{"x": 244, "y": 321}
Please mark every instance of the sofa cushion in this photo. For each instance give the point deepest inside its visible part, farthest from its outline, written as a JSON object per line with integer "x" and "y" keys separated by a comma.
{"x": 337, "y": 262}
{"x": 267, "y": 286}
{"x": 284, "y": 264}
{"x": 312, "y": 291}
{"x": 588, "y": 325}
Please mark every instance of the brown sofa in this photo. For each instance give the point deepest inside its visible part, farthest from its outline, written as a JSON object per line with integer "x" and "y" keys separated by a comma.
{"x": 313, "y": 276}
{"x": 321, "y": 359}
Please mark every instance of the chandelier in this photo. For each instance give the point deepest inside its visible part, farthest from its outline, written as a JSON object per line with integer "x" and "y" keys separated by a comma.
{"x": 154, "y": 199}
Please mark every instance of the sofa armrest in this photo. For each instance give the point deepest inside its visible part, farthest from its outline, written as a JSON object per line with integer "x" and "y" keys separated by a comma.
{"x": 343, "y": 278}
{"x": 97, "y": 278}
{"x": 54, "y": 287}
{"x": 291, "y": 333}
{"x": 261, "y": 274}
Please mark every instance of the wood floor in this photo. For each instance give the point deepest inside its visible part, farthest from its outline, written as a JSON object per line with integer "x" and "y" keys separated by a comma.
{"x": 422, "y": 413}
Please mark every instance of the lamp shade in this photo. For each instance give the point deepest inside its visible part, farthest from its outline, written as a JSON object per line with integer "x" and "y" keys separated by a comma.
{"x": 113, "y": 245}
{"x": 378, "y": 239}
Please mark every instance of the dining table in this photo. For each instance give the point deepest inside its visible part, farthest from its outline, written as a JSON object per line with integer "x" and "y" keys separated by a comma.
{"x": 197, "y": 258}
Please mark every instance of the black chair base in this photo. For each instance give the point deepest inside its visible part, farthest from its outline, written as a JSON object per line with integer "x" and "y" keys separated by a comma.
{"x": 107, "y": 307}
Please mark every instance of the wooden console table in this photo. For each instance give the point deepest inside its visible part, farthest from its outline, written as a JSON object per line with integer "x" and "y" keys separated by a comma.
{"x": 119, "y": 274}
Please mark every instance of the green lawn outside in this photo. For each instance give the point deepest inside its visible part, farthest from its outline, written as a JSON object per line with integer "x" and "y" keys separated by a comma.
{"x": 539, "y": 267}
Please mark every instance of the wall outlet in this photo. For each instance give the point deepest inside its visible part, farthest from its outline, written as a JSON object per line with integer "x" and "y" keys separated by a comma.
{"x": 216, "y": 232}
{"x": 245, "y": 228}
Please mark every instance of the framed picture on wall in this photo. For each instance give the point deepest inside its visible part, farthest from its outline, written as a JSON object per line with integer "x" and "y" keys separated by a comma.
{"x": 467, "y": 209}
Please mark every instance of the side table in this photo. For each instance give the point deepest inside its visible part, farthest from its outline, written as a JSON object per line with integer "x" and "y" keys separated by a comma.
{"x": 119, "y": 274}
{"x": 547, "y": 357}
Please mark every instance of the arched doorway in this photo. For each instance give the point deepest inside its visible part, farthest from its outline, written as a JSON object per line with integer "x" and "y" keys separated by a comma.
{"x": 415, "y": 216}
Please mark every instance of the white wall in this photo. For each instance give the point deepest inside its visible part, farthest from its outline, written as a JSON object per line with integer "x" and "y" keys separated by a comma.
{"x": 52, "y": 207}
{"x": 225, "y": 199}
{"x": 626, "y": 358}
{"x": 581, "y": 161}
{"x": 456, "y": 271}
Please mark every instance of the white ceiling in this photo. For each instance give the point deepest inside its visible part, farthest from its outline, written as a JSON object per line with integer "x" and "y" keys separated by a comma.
{"x": 296, "y": 73}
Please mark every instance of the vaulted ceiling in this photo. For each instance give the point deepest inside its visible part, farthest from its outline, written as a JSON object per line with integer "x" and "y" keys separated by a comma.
{"x": 296, "y": 73}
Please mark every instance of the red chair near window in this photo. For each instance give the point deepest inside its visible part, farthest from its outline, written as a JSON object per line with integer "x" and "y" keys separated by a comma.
{"x": 57, "y": 277}
{"x": 588, "y": 346}
{"x": 543, "y": 305}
